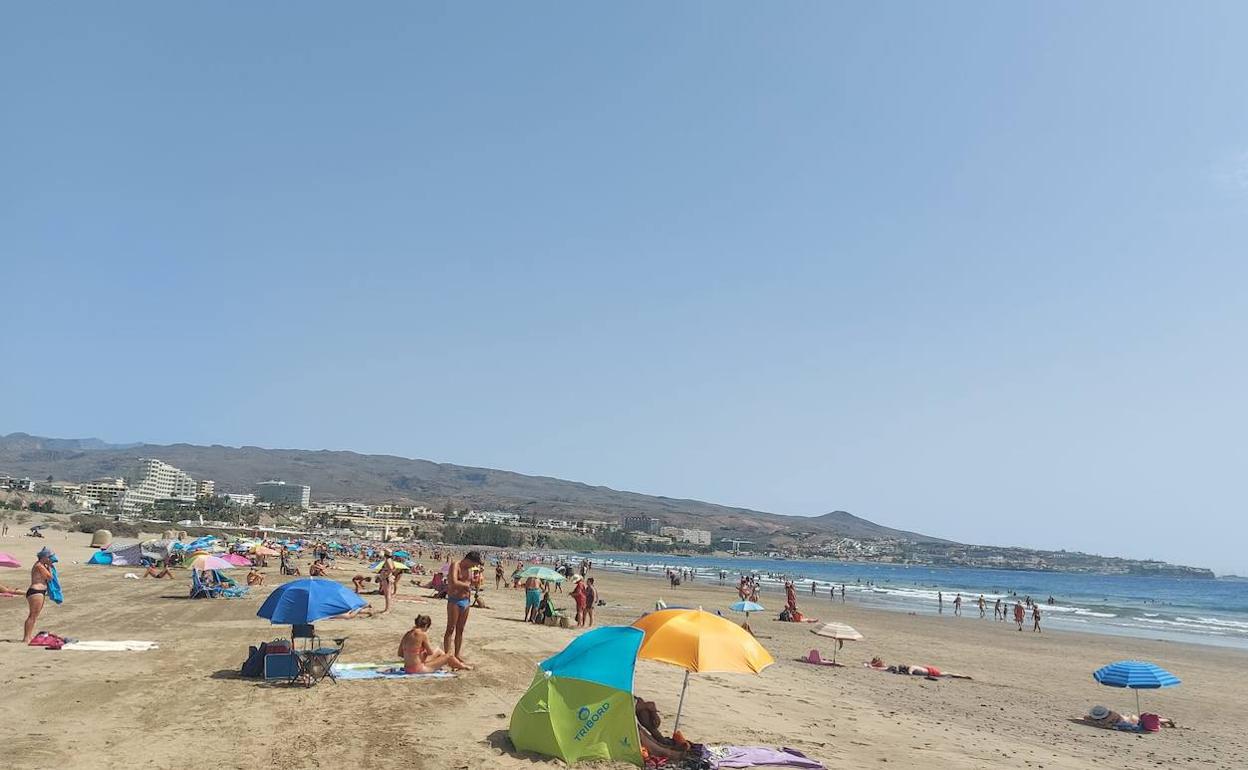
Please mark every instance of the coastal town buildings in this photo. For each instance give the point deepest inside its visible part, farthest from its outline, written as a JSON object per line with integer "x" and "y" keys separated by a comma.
{"x": 647, "y": 524}
{"x": 205, "y": 488}
{"x": 682, "y": 535}
{"x": 23, "y": 484}
{"x": 103, "y": 491}
{"x": 154, "y": 480}
{"x": 281, "y": 493}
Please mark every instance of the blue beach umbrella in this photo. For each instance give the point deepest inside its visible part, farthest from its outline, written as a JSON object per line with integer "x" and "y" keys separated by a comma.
{"x": 747, "y": 607}
{"x": 1136, "y": 675}
{"x": 307, "y": 601}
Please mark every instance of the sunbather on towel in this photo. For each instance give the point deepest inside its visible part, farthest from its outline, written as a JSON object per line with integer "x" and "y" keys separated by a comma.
{"x": 652, "y": 739}
{"x": 914, "y": 670}
{"x": 163, "y": 572}
{"x": 419, "y": 657}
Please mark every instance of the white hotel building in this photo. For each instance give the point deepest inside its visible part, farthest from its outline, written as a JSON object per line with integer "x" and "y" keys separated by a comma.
{"x": 154, "y": 480}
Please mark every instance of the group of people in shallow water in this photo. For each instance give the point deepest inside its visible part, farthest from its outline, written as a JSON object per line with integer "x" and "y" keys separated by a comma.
{"x": 1000, "y": 610}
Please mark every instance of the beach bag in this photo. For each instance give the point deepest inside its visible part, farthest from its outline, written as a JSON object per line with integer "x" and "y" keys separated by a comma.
{"x": 1150, "y": 723}
{"x": 253, "y": 667}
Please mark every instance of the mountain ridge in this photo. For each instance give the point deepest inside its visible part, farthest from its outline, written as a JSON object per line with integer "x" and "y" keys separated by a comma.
{"x": 371, "y": 478}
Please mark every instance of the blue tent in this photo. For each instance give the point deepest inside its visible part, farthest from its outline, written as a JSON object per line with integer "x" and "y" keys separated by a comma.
{"x": 100, "y": 557}
{"x": 307, "y": 601}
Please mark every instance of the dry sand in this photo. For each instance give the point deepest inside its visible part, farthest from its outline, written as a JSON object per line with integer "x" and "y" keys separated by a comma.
{"x": 182, "y": 706}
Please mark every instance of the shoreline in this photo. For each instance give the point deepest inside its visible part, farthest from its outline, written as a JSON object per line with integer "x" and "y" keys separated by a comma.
{"x": 913, "y": 590}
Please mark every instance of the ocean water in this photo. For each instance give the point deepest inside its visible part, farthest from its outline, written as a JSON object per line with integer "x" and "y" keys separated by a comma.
{"x": 1213, "y": 612}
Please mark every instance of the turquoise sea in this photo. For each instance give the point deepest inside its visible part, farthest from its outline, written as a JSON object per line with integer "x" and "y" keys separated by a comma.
{"x": 1211, "y": 612}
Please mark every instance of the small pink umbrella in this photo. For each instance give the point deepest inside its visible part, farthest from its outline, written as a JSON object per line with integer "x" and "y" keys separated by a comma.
{"x": 7, "y": 560}
{"x": 237, "y": 560}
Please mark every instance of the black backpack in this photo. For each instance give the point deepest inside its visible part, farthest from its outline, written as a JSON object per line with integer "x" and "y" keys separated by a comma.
{"x": 253, "y": 667}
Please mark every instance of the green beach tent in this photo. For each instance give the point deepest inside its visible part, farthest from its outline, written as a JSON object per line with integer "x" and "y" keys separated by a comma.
{"x": 580, "y": 703}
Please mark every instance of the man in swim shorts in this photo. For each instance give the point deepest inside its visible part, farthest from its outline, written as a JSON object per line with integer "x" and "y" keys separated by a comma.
{"x": 459, "y": 599}
{"x": 532, "y": 599}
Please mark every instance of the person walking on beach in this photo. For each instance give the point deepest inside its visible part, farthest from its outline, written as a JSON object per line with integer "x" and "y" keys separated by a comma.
{"x": 996, "y": 609}
{"x": 578, "y": 596}
{"x": 1035, "y": 619}
{"x": 1019, "y": 614}
{"x": 982, "y": 606}
{"x": 498, "y": 575}
{"x": 458, "y": 600}
{"x": 957, "y": 605}
{"x": 940, "y": 602}
{"x": 591, "y": 598}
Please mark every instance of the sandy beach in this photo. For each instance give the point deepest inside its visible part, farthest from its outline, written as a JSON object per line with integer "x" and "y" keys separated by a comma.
{"x": 183, "y": 705}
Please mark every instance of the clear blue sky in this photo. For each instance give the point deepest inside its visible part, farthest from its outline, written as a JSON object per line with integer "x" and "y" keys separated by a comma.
{"x": 979, "y": 270}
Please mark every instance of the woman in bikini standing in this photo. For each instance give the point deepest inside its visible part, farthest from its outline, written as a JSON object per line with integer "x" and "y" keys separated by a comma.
{"x": 37, "y": 594}
{"x": 458, "y": 600}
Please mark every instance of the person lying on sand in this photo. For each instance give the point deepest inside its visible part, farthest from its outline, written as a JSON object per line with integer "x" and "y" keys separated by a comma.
{"x": 419, "y": 657}
{"x": 1100, "y": 716}
{"x": 913, "y": 670}
{"x": 653, "y": 741}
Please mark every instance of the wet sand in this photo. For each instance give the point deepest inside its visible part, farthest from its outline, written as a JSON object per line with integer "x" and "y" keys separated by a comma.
{"x": 183, "y": 706}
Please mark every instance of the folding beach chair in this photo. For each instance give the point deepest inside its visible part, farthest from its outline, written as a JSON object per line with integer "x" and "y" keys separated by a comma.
{"x": 316, "y": 660}
{"x": 201, "y": 591}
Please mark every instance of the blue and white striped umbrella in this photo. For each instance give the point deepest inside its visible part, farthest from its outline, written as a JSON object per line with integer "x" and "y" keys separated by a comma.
{"x": 1135, "y": 674}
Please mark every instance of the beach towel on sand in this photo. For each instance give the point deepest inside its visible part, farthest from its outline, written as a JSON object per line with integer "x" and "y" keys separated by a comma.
{"x": 349, "y": 671}
{"x": 757, "y": 756}
{"x": 102, "y": 646}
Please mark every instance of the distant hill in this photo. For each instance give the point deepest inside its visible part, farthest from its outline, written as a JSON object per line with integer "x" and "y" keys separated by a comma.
{"x": 386, "y": 478}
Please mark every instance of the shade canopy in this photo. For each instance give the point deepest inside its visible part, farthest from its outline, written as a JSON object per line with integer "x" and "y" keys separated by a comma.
{"x": 839, "y": 631}
{"x": 1135, "y": 674}
{"x": 8, "y": 560}
{"x": 580, "y": 703}
{"x": 397, "y": 566}
{"x": 205, "y": 562}
{"x": 700, "y": 641}
{"x": 237, "y": 560}
{"x": 541, "y": 573}
{"x": 307, "y": 601}
{"x": 747, "y": 606}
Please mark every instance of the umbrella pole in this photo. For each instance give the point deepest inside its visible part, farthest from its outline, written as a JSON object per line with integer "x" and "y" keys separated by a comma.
{"x": 681, "y": 706}
{"x": 1137, "y": 702}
